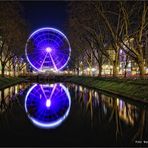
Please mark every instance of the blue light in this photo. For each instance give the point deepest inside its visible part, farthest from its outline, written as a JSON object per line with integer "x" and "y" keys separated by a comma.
{"x": 47, "y": 106}
{"x": 47, "y": 48}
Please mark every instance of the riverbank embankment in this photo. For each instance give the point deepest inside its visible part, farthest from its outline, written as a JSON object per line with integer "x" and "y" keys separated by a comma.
{"x": 8, "y": 81}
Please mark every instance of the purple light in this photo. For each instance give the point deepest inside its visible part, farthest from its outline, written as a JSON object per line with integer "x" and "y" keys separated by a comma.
{"x": 47, "y": 48}
{"x": 47, "y": 106}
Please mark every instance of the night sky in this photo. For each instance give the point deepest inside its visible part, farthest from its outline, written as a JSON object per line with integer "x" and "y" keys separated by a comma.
{"x": 46, "y": 14}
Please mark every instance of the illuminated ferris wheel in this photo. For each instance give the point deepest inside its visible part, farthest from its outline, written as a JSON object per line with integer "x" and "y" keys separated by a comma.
{"x": 48, "y": 48}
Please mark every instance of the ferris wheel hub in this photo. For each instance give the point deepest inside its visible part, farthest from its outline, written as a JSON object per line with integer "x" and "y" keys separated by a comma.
{"x": 48, "y": 49}
{"x": 48, "y": 103}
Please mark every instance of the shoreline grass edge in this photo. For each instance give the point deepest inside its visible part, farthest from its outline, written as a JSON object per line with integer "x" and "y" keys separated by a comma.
{"x": 9, "y": 81}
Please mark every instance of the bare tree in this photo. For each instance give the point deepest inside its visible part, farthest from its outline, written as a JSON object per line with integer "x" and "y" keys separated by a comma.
{"x": 13, "y": 32}
{"x": 136, "y": 23}
{"x": 82, "y": 23}
{"x": 111, "y": 26}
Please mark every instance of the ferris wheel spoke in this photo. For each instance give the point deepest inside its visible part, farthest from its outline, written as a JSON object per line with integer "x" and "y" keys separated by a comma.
{"x": 53, "y": 91}
{"x": 53, "y": 62}
{"x": 43, "y": 91}
{"x": 43, "y": 60}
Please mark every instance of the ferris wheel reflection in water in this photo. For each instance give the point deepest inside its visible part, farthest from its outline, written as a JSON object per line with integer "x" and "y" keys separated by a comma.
{"x": 47, "y": 105}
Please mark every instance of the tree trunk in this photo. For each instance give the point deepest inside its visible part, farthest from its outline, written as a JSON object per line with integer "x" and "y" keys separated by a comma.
{"x": 3, "y": 69}
{"x": 141, "y": 68}
{"x": 9, "y": 69}
{"x": 100, "y": 70}
{"x": 90, "y": 70}
{"x": 115, "y": 71}
{"x": 77, "y": 69}
{"x": 14, "y": 71}
{"x": 82, "y": 69}
{"x": 125, "y": 67}
{"x": 115, "y": 65}
{"x": 125, "y": 73}
{"x": 19, "y": 71}
{"x": 9, "y": 72}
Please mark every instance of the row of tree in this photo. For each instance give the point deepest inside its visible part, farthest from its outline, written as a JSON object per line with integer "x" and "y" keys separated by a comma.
{"x": 97, "y": 27}
{"x": 13, "y": 35}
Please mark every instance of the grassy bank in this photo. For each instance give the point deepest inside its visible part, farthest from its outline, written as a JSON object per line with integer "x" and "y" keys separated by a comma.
{"x": 134, "y": 89}
{"x": 8, "y": 81}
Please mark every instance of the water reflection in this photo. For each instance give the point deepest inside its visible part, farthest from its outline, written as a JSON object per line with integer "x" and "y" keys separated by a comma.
{"x": 113, "y": 111}
{"x": 115, "y": 106}
{"x": 47, "y": 106}
{"x": 9, "y": 95}
{"x": 94, "y": 115}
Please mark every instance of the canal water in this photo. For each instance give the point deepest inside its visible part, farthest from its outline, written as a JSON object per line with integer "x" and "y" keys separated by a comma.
{"x": 64, "y": 114}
